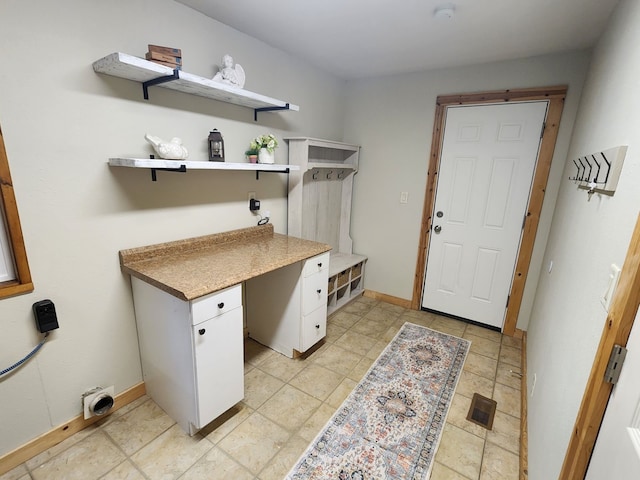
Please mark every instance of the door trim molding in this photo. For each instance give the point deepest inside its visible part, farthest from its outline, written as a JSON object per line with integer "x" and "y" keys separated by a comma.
{"x": 555, "y": 96}
{"x": 617, "y": 328}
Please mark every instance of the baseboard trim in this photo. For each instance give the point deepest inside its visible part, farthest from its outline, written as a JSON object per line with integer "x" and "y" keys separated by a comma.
{"x": 51, "y": 438}
{"x": 401, "y": 302}
{"x": 524, "y": 432}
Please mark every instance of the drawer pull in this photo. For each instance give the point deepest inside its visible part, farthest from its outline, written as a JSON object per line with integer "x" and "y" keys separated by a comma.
{"x": 318, "y": 327}
{"x": 221, "y": 305}
{"x": 201, "y": 331}
{"x": 319, "y": 290}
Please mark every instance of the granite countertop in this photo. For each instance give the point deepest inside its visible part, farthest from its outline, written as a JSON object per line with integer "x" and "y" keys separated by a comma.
{"x": 194, "y": 267}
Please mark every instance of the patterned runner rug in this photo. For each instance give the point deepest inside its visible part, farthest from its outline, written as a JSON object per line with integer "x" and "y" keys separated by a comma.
{"x": 390, "y": 425}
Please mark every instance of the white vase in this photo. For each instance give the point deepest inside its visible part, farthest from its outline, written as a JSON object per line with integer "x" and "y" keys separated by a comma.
{"x": 264, "y": 156}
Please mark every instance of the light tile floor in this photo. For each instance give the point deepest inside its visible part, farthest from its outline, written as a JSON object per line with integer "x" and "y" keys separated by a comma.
{"x": 286, "y": 404}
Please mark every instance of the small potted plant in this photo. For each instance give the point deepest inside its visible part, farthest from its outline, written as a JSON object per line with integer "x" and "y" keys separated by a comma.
{"x": 266, "y": 144}
{"x": 252, "y": 153}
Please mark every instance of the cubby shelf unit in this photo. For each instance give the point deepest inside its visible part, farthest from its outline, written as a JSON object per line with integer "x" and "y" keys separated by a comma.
{"x": 346, "y": 274}
{"x": 148, "y": 73}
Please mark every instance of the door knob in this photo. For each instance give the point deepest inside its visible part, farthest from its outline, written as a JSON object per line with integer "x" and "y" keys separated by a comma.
{"x": 201, "y": 331}
{"x": 437, "y": 229}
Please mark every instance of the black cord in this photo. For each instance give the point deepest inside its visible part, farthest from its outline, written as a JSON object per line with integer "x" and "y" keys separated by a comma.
{"x": 263, "y": 220}
{"x": 31, "y": 354}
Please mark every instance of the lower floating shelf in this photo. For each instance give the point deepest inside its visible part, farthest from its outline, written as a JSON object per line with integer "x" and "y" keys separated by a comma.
{"x": 184, "y": 165}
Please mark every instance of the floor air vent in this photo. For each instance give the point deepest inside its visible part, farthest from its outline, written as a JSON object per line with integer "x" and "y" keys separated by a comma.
{"x": 482, "y": 411}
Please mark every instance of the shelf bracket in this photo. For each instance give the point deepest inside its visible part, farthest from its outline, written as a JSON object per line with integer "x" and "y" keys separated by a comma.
{"x": 182, "y": 169}
{"x": 286, "y": 170}
{"x": 156, "y": 81}
{"x": 267, "y": 109}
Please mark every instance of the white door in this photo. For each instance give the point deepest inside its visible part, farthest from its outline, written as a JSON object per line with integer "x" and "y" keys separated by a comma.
{"x": 488, "y": 158}
{"x": 616, "y": 453}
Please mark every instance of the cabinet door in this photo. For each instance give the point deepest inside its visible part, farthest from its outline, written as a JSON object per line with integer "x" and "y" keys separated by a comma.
{"x": 219, "y": 370}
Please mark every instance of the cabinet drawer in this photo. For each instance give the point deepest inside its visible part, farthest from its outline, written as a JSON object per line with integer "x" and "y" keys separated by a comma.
{"x": 314, "y": 328}
{"x": 215, "y": 304}
{"x": 316, "y": 264}
{"x": 314, "y": 292}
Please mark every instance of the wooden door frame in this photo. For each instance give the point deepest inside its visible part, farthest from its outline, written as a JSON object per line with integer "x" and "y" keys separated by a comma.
{"x": 555, "y": 96}
{"x": 620, "y": 320}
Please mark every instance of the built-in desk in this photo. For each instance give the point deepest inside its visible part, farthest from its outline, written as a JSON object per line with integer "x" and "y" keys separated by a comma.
{"x": 190, "y": 305}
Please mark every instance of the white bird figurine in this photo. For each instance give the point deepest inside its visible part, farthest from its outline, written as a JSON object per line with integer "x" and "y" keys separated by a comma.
{"x": 173, "y": 150}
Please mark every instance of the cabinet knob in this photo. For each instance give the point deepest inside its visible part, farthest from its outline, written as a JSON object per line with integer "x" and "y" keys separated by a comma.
{"x": 319, "y": 264}
{"x": 221, "y": 305}
{"x": 201, "y": 331}
{"x": 318, "y": 327}
{"x": 319, "y": 290}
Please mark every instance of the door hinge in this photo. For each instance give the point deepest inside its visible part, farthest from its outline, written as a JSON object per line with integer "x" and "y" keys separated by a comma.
{"x": 508, "y": 298}
{"x": 616, "y": 360}
{"x": 544, "y": 125}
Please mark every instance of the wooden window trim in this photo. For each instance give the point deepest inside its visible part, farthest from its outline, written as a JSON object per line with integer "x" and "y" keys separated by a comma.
{"x": 23, "y": 283}
{"x": 555, "y": 96}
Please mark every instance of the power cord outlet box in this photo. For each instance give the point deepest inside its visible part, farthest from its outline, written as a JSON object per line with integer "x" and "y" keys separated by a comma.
{"x": 45, "y": 313}
{"x": 254, "y": 204}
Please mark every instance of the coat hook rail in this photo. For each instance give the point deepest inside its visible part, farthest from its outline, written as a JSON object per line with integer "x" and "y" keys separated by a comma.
{"x": 600, "y": 171}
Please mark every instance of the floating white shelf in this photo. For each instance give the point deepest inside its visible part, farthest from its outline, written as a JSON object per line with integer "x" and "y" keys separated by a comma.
{"x": 184, "y": 165}
{"x": 149, "y": 73}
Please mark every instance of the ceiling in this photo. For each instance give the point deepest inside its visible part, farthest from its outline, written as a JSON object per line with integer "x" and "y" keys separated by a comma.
{"x": 369, "y": 38}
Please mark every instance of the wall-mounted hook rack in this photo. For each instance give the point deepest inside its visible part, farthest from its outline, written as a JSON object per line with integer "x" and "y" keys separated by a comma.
{"x": 600, "y": 171}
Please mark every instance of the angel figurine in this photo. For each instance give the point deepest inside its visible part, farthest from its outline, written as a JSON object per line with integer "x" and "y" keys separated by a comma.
{"x": 230, "y": 74}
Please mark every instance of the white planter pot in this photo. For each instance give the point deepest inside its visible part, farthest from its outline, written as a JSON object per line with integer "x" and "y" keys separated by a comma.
{"x": 265, "y": 157}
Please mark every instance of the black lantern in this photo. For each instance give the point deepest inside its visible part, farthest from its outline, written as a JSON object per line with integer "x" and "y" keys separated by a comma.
{"x": 216, "y": 146}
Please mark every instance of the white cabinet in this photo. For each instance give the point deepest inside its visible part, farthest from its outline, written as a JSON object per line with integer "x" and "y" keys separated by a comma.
{"x": 192, "y": 352}
{"x": 287, "y": 308}
{"x": 320, "y": 209}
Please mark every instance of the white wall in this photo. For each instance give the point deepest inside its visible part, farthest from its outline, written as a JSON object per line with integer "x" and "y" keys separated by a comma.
{"x": 586, "y": 237}
{"x": 61, "y": 122}
{"x": 392, "y": 118}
